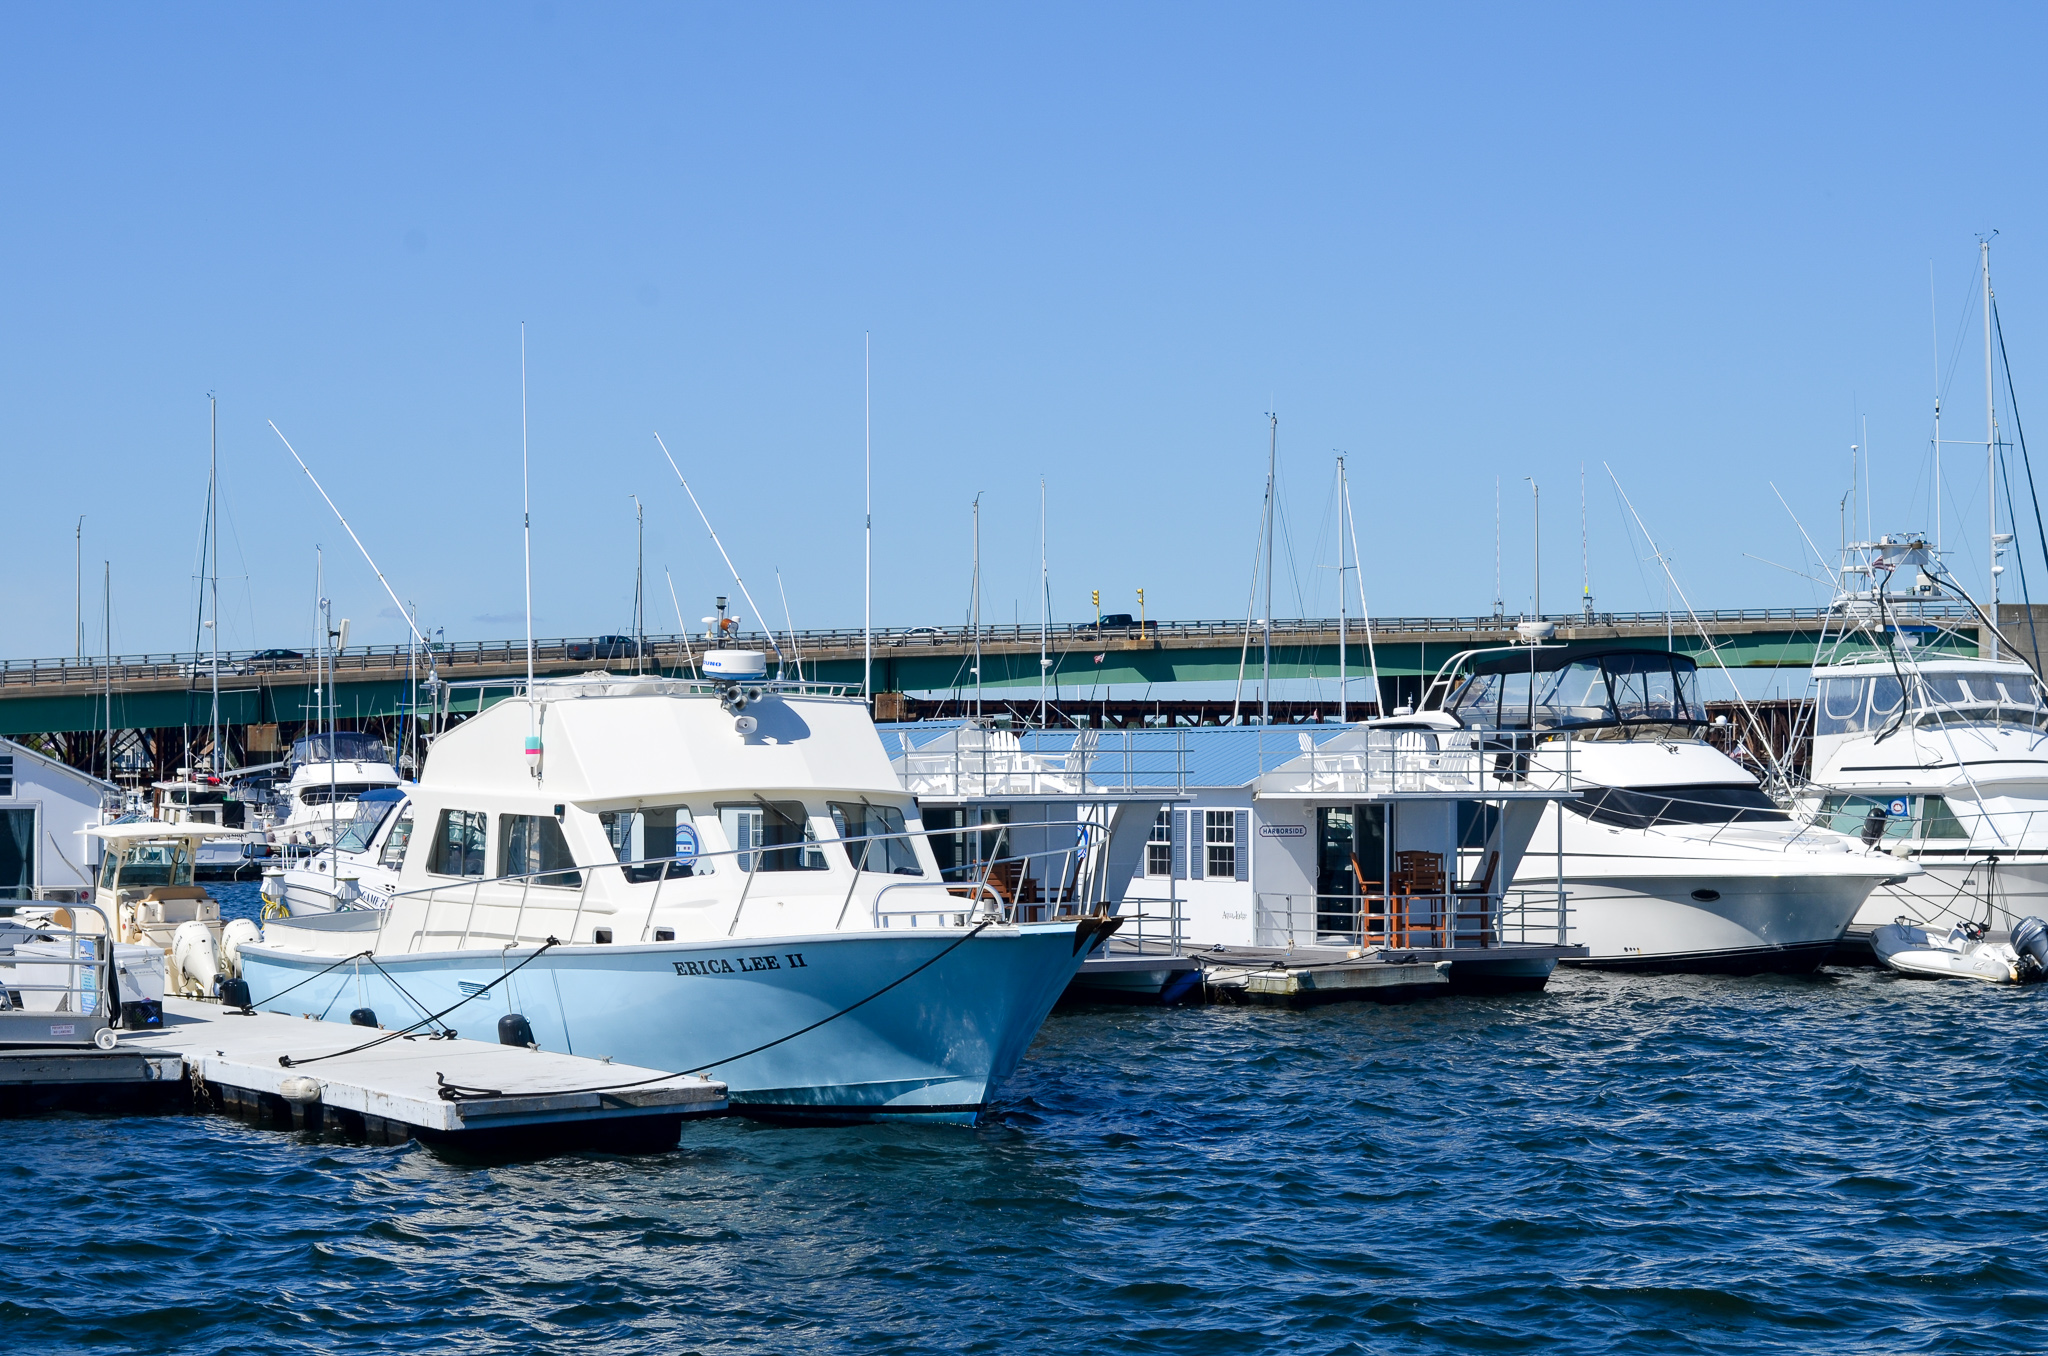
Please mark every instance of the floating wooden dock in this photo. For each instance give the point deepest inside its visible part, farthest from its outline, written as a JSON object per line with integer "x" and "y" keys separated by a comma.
{"x": 511, "y": 1099}
{"x": 1301, "y": 976}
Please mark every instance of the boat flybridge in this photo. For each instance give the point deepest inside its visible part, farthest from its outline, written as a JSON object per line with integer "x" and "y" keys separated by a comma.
{"x": 722, "y": 876}
{"x": 1673, "y": 857}
{"x": 1932, "y": 753}
{"x": 329, "y": 771}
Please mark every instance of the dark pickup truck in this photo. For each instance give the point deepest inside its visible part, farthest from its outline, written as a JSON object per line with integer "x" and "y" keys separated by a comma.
{"x": 1117, "y": 621}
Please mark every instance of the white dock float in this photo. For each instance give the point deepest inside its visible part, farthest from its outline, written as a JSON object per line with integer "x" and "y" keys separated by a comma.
{"x": 516, "y": 1098}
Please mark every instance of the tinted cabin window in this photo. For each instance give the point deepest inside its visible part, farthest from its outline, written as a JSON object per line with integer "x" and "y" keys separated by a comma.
{"x": 459, "y": 843}
{"x": 772, "y": 836}
{"x": 657, "y": 840}
{"x": 1648, "y": 807}
{"x": 533, "y": 845}
{"x": 885, "y": 851}
{"x": 393, "y": 854}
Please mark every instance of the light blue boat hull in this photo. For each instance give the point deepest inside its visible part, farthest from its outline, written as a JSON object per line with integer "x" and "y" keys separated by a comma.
{"x": 938, "y": 1045}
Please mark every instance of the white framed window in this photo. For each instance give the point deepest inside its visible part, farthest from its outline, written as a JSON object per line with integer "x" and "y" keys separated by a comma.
{"x": 6, "y": 774}
{"x": 1219, "y": 844}
{"x": 1159, "y": 847}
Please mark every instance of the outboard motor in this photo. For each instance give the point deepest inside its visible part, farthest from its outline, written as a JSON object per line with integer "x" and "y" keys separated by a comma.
{"x": 2030, "y": 939}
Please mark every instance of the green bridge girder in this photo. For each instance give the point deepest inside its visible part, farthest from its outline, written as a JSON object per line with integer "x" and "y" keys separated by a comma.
{"x": 1162, "y": 664}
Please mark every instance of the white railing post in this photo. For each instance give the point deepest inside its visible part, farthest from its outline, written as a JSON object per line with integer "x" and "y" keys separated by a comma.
{"x": 647, "y": 924}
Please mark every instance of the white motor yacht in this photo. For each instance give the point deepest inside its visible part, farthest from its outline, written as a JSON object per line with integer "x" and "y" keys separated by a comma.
{"x": 328, "y": 771}
{"x": 1673, "y": 856}
{"x": 359, "y": 870}
{"x": 720, "y": 876}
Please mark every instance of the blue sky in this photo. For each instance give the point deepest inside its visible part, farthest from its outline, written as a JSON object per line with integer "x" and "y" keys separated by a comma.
{"x": 1093, "y": 243}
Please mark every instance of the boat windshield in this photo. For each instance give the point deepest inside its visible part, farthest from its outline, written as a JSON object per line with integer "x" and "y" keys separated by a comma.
{"x": 343, "y": 746}
{"x": 370, "y": 816}
{"x": 1651, "y": 806}
{"x": 163, "y": 861}
{"x": 1614, "y": 689}
{"x": 1852, "y": 704}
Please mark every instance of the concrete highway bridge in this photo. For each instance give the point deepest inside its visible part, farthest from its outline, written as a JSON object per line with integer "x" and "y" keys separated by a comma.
{"x": 157, "y": 705}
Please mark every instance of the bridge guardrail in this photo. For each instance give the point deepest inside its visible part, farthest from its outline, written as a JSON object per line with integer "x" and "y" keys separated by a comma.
{"x": 457, "y": 655}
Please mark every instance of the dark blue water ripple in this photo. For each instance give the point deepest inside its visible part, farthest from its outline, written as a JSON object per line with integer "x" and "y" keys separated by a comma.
{"x": 1619, "y": 1165}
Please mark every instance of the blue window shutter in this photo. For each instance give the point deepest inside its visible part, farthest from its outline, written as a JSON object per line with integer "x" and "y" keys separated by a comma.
{"x": 1179, "y": 836}
{"x": 1244, "y": 844}
{"x": 1198, "y": 844}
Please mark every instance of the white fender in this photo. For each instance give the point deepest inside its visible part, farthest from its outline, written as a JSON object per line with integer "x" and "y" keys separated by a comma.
{"x": 194, "y": 966}
{"x": 239, "y": 932}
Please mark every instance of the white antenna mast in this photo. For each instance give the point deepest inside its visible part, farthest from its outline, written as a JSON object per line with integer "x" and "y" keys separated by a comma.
{"x": 977, "y": 604}
{"x": 639, "y": 578}
{"x": 1934, "y": 329}
{"x": 766, "y": 629}
{"x": 1536, "y": 551}
{"x": 1266, "y": 642}
{"x": 867, "y": 588}
{"x": 1499, "y": 607}
{"x": 1990, "y": 448}
{"x": 1585, "y": 555}
{"x": 526, "y": 539}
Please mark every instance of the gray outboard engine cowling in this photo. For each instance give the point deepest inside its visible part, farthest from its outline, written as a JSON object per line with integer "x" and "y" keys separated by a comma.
{"x": 2030, "y": 939}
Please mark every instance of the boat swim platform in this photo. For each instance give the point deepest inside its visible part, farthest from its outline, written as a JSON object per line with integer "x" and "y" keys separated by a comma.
{"x": 514, "y": 1099}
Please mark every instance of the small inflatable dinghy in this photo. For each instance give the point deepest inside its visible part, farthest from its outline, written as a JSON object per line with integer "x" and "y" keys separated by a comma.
{"x": 1968, "y": 951}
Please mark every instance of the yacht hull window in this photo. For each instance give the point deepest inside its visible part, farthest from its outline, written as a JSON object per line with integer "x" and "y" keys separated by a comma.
{"x": 1654, "y": 806}
{"x": 883, "y": 853}
{"x": 659, "y": 839}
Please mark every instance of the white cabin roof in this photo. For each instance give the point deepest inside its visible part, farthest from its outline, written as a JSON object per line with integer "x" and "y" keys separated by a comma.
{"x": 623, "y": 740}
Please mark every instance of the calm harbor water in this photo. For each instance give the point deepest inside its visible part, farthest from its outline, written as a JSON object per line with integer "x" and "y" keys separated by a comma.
{"x": 1622, "y": 1164}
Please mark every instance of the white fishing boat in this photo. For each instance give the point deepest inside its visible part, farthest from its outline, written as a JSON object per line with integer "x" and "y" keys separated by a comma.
{"x": 1673, "y": 858}
{"x": 1928, "y": 751}
{"x": 359, "y": 870}
{"x": 722, "y": 876}
{"x": 1965, "y": 951}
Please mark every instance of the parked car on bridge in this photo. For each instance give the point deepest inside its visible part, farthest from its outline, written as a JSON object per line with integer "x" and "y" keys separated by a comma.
{"x": 207, "y": 668}
{"x": 606, "y": 647}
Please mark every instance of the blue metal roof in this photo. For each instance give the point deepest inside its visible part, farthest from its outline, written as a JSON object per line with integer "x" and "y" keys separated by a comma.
{"x": 1215, "y": 755}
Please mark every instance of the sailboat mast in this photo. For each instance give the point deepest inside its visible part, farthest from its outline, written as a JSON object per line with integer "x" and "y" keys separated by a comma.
{"x": 1266, "y": 639}
{"x": 107, "y": 620}
{"x": 977, "y": 606}
{"x": 213, "y": 534}
{"x": 639, "y": 577}
{"x": 1044, "y": 606}
{"x": 1990, "y": 448}
{"x": 1343, "y": 674}
{"x": 1585, "y": 554}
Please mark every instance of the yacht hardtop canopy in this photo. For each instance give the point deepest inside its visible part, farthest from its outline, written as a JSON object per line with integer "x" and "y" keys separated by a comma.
{"x": 128, "y": 833}
{"x": 1573, "y": 687}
